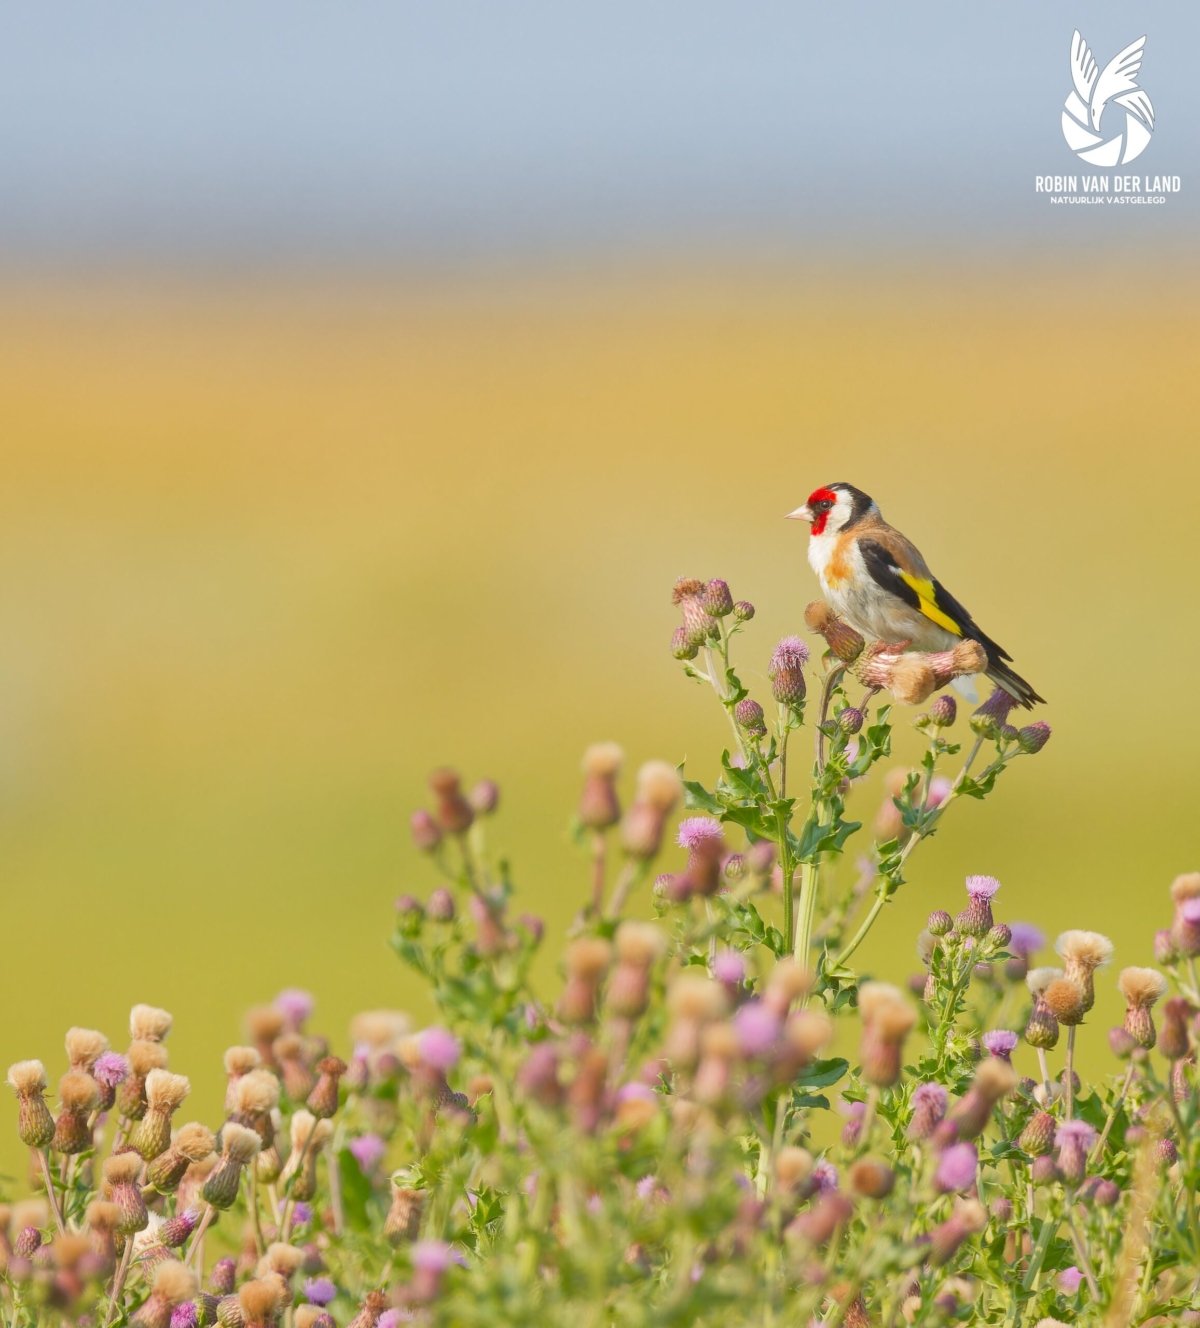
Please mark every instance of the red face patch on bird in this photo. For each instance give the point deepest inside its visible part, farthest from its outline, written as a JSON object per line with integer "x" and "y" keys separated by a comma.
{"x": 820, "y": 504}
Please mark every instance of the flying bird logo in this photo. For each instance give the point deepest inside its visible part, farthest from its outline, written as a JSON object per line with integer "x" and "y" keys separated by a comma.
{"x": 1094, "y": 89}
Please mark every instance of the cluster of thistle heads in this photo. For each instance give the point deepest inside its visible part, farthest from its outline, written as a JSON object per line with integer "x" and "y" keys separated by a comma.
{"x": 127, "y": 1200}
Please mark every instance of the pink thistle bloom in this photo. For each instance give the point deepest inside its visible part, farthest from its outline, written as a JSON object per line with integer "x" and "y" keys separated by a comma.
{"x": 439, "y": 1049}
{"x": 697, "y": 830}
{"x": 1068, "y": 1280}
{"x": 982, "y": 887}
{"x": 825, "y": 1176}
{"x": 790, "y": 653}
{"x": 296, "y": 1005}
{"x": 939, "y": 791}
{"x": 110, "y": 1069}
{"x": 432, "y": 1256}
{"x": 1026, "y": 939}
{"x": 1189, "y": 911}
{"x": 1075, "y": 1132}
{"x": 368, "y": 1151}
{"x": 956, "y": 1168}
{"x": 728, "y": 966}
{"x": 757, "y": 1028}
{"x": 1000, "y": 1042}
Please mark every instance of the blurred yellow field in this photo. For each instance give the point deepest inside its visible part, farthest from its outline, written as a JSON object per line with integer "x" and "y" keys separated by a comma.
{"x": 275, "y": 550}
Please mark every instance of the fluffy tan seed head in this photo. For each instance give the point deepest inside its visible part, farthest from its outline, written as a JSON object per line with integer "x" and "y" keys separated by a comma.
{"x": 194, "y": 1141}
{"x": 1186, "y": 886}
{"x": 659, "y": 785}
{"x": 27, "y": 1077}
{"x": 238, "y": 1142}
{"x": 280, "y": 1258}
{"x": 379, "y": 1028}
{"x": 1087, "y": 949}
{"x": 149, "y": 1023}
{"x": 969, "y": 657}
{"x": 1142, "y": 986}
{"x": 174, "y": 1281}
{"x": 875, "y": 997}
{"x": 995, "y": 1078}
{"x": 788, "y": 981}
{"x": 808, "y": 1031}
{"x": 165, "y": 1091}
{"x": 588, "y": 957}
{"x": 603, "y": 759}
{"x": 101, "y": 1215}
{"x": 893, "y": 1022}
{"x": 122, "y": 1169}
{"x": 256, "y": 1092}
{"x": 260, "y": 1299}
{"x": 913, "y": 681}
{"x": 241, "y": 1060}
{"x": 85, "y": 1046}
{"x": 145, "y": 1056}
{"x": 693, "y": 997}
{"x": 640, "y": 943}
{"x": 264, "y": 1023}
{"x": 1038, "y": 979}
{"x": 1065, "y": 1000}
{"x": 78, "y": 1091}
{"x": 307, "y": 1131}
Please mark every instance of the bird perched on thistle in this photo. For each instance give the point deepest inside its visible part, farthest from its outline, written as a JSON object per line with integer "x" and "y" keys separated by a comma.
{"x": 875, "y": 578}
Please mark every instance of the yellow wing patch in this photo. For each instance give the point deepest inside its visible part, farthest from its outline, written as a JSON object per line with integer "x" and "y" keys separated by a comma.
{"x": 927, "y": 597}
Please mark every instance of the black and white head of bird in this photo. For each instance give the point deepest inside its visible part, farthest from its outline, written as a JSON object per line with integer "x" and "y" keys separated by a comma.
{"x": 829, "y": 510}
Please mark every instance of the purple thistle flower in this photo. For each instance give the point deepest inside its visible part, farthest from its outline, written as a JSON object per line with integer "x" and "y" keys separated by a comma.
{"x": 697, "y": 830}
{"x": 825, "y": 1176}
{"x": 757, "y": 1028}
{"x": 368, "y": 1150}
{"x": 647, "y": 1187}
{"x": 110, "y": 1069}
{"x": 393, "y": 1318}
{"x": 1189, "y": 911}
{"x": 790, "y": 653}
{"x": 729, "y": 967}
{"x": 439, "y": 1049}
{"x": 1026, "y": 940}
{"x": 956, "y": 1168}
{"x": 1000, "y": 1042}
{"x": 296, "y": 1005}
{"x": 1075, "y": 1131}
{"x": 432, "y": 1256}
{"x": 1068, "y": 1280}
{"x": 939, "y": 791}
{"x": 302, "y": 1214}
{"x": 982, "y": 888}
{"x": 319, "y": 1291}
{"x": 185, "y": 1315}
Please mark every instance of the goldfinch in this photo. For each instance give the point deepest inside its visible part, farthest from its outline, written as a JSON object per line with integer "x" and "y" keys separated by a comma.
{"x": 876, "y": 579}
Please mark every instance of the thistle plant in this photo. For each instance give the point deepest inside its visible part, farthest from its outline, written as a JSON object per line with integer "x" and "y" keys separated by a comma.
{"x": 712, "y": 1116}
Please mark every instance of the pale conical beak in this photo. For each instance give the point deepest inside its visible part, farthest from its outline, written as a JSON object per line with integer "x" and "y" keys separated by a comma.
{"x": 800, "y": 514}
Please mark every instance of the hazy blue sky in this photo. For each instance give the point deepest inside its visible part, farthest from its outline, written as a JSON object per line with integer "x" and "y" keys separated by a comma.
{"x": 445, "y": 130}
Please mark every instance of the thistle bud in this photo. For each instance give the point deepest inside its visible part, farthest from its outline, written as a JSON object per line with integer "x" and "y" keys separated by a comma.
{"x": 1074, "y": 1138}
{"x": 323, "y": 1100}
{"x": 1037, "y": 1138}
{"x": 454, "y": 813}
{"x": 947, "y": 1237}
{"x": 1166, "y": 1154}
{"x": 598, "y": 805}
{"x": 27, "y": 1243}
{"x": 638, "y": 945}
{"x": 79, "y": 1096}
{"x": 994, "y": 1080}
{"x": 1033, "y": 737}
{"x": 1173, "y": 1041}
{"x": 749, "y": 717}
{"x": 229, "y": 1313}
{"x": 929, "y": 1103}
{"x": 786, "y": 671}
{"x": 743, "y": 610}
{"x": 659, "y": 789}
{"x": 484, "y": 797}
{"x": 175, "y": 1231}
{"x": 192, "y": 1144}
{"x": 1185, "y": 929}
{"x": 872, "y": 1178}
{"x": 717, "y": 600}
{"x": 850, "y": 721}
{"x": 1165, "y": 952}
{"x": 818, "y": 1225}
{"x": 940, "y": 922}
{"x": 682, "y": 644}
{"x": 988, "y": 718}
{"x": 291, "y": 1055}
{"x": 441, "y": 905}
{"x": 588, "y": 958}
{"x": 426, "y": 834}
{"x": 35, "y": 1124}
{"x": 887, "y": 1021}
{"x": 943, "y": 710}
